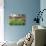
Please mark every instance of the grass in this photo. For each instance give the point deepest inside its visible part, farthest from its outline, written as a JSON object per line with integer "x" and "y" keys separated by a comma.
{"x": 15, "y": 21}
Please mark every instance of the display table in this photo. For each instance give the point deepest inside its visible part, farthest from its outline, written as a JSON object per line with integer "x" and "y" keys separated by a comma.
{"x": 39, "y": 33}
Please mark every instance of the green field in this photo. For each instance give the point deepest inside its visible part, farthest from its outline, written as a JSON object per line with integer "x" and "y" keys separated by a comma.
{"x": 15, "y": 21}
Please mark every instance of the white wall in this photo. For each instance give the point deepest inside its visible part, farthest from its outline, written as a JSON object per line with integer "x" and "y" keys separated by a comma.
{"x": 1, "y": 21}
{"x": 43, "y": 6}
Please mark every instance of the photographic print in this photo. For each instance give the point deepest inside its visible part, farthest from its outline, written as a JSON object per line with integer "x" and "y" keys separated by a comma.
{"x": 17, "y": 19}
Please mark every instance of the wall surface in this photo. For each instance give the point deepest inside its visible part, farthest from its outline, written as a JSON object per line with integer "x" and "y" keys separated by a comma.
{"x": 27, "y": 7}
{"x": 43, "y": 6}
{"x": 1, "y": 21}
